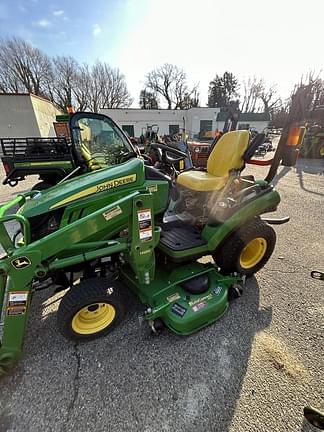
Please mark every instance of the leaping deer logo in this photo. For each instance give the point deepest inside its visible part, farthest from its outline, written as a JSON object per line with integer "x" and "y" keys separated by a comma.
{"x": 21, "y": 262}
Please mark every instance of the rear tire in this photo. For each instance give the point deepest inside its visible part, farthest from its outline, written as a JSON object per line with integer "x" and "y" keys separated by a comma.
{"x": 42, "y": 186}
{"x": 90, "y": 310}
{"x": 247, "y": 250}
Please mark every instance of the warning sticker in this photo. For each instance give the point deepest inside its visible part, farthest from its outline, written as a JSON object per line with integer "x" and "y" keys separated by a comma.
{"x": 17, "y": 303}
{"x": 112, "y": 213}
{"x": 18, "y": 298}
{"x": 145, "y": 224}
{"x": 199, "y": 306}
{"x": 152, "y": 188}
{"x": 144, "y": 215}
{"x": 16, "y": 310}
{"x": 145, "y": 234}
{"x": 173, "y": 297}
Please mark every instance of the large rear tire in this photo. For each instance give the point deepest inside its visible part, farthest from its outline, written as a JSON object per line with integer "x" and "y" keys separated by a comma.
{"x": 42, "y": 185}
{"x": 248, "y": 249}
{"x": 90, "y": 310}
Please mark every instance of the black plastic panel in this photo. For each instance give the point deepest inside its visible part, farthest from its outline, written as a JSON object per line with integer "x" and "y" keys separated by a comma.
{"x": 180, "y": 236}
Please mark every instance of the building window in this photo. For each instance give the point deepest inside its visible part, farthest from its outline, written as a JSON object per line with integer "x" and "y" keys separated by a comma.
{"x": 206, "y": 125}
{"x": 129, "y": 129}
{"x": 173, "y": 129}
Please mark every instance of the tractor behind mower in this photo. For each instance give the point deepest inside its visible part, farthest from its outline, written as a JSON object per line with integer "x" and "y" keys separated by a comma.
{"x": 132, "y": 224}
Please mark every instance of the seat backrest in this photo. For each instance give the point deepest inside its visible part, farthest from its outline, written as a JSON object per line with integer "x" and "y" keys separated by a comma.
{"x": 228, "y": 153}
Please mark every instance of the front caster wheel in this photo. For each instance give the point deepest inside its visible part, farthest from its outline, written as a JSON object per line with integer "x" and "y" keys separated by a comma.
{"x": 90, "y": 310}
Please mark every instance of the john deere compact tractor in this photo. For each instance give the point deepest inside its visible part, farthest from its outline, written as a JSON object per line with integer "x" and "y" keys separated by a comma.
{"x": 135, "y": 226}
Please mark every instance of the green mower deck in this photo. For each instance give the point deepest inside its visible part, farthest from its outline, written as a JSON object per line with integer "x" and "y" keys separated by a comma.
{"x": 181, "y": 311}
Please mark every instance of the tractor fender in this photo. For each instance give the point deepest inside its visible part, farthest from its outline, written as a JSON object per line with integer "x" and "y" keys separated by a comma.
{"x": 216, "y": 234}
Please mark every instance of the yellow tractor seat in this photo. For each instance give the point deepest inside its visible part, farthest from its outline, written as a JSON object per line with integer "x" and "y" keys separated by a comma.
{"x": 226, "y": 156}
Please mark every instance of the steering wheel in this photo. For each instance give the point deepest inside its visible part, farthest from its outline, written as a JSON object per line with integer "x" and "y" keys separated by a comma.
{"x": 167, "y": 149}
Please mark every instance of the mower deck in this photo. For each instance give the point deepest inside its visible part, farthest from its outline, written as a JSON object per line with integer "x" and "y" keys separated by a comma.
{"x": 171, "y": 299}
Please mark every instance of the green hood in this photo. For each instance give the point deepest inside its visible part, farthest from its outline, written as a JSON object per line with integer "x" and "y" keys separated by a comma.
{"x": 117, "y": 178}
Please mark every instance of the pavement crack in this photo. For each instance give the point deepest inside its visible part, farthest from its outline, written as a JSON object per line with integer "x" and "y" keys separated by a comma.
{"x": 76, "y": 386}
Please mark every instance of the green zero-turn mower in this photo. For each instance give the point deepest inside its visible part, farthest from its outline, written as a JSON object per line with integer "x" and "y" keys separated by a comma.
{"x": 133, "y": 225}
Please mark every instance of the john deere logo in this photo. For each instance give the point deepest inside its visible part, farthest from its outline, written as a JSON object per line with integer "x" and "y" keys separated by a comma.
{"x": 21, "y": 262}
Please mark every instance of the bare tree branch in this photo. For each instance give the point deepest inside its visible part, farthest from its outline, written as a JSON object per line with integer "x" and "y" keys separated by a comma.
{"x": 23, "y": 68}
{"x": 252, "y": 87}
{"x": 170, "y": 82}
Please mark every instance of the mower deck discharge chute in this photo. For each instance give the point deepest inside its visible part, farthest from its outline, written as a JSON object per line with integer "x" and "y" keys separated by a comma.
{"x": 134, "y": 225}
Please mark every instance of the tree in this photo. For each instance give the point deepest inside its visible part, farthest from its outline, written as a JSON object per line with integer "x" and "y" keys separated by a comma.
{"x": 190, "y": 101}
{"x": 81, "y": 90}
{"x": 222, "y": 89}
{"x": 65, "y": 79}
{"x": 107, "y": 88}
{"x": 23, "y": 68}
{"x": 252, "y": 88}
{"x": 306, "y": 95}
{"x": 270, "y": 99}
{"x": 148, "y": 100}
{"x": 171, "y": 83}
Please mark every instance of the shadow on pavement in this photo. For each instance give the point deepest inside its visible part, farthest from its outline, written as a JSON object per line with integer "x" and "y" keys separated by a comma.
{"x": 306, "y": 427}
{"x": 315, "y": 167}
{"x": 309, "y": 166}
{"x": 136, "y": 382}
{"x": 284, "y": 171}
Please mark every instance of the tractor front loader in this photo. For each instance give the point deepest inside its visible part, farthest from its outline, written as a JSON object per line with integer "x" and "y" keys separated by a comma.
{"x": 34, "y": 260}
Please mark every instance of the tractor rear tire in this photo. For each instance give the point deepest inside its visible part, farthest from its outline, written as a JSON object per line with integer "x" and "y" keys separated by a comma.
{"x": 90, "y": 310}
{"x": 247, "y": 250}
{"x": 42, "y": 186}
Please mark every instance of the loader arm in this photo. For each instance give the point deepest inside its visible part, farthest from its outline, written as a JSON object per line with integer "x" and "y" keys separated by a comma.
{"x": 32, "y": 260}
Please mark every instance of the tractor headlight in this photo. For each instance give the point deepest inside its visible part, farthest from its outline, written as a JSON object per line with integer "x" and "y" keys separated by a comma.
{"x": 197, "y": 150}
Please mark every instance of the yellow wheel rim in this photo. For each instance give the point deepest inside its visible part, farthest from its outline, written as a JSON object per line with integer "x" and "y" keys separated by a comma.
{"x": 321, "y": 151}
{"x": 93, "y": 318}
{"x": 253, "y": 253}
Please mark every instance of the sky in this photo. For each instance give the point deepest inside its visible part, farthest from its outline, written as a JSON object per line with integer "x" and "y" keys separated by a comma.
{"x": 278, "y": 40}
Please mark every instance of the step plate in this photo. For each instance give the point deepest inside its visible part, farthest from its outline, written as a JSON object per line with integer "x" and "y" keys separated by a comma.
{"x": 181, "y": 238}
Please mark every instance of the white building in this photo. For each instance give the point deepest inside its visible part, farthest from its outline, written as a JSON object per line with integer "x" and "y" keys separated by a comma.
{"x": 192, "y": 120}
{"x": 26, "y": 115}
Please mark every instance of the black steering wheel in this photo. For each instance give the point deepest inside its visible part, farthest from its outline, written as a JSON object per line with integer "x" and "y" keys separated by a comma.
{"x": 167, "y": 149}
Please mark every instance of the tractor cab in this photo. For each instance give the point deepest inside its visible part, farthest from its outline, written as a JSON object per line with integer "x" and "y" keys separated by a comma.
{"x": 98, "y": 141}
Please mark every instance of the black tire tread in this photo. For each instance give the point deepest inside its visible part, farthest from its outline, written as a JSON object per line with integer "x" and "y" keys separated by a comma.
{"x": 228, "y": 254}
{"x": 88, "y": 291}
{"x": 42, "y": 185}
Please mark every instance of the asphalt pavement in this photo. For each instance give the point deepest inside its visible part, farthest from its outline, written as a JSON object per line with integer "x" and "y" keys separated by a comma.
{"x": 254, "y": 370}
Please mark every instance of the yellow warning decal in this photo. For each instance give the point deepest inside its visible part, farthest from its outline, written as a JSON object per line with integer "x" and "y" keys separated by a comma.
{"x": 121, "y": 181}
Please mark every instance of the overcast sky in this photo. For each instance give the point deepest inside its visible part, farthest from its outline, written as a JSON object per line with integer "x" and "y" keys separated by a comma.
{"x": 278, "y": 40}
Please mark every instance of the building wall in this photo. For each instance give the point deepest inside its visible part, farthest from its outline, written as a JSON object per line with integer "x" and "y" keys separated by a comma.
{"x": 45, "y": 113}
{"x": 258, "y": 125}
{"x": 141, "y": 118}
{"x": 24, "y": 115}
{"x": 17, "y": 118}
{"x": 196, "y": 115}
{"x": 185, "y": 119}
